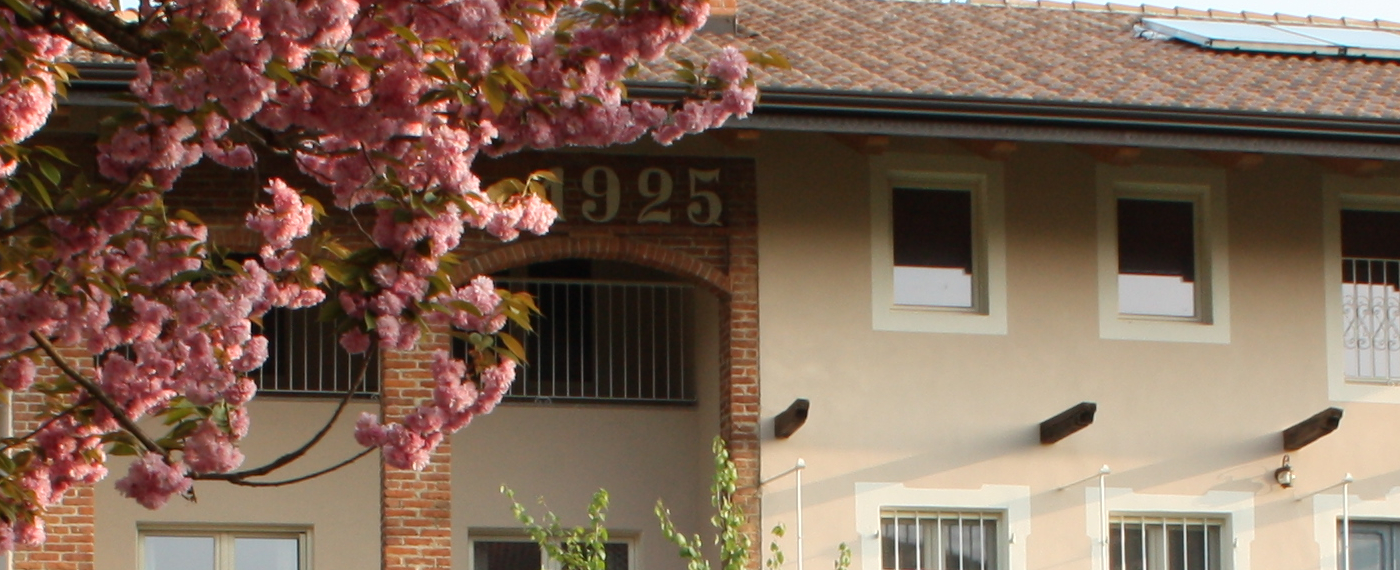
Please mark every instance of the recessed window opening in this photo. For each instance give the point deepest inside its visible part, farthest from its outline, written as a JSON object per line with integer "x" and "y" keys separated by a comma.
{"x": 1371, "y": 294}
{"x": 939, "y": 540}
{"x": 519, "y": 554}
{"x": 1374, "y": 544}
{"x": 1165, "y": 543}
{"x": 610, "y": 333}
{"x": 933, "y": 248}
{"x": 1157, "y": 263}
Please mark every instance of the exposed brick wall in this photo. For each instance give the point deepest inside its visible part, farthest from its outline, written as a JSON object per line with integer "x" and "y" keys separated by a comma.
{"x": 723, "y": 259}
{"x": 70, "y": 522}
{"x": 415, "y": 507}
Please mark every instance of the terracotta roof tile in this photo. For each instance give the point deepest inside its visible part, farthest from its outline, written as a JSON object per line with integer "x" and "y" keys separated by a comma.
{"x": 1056, "y": 55}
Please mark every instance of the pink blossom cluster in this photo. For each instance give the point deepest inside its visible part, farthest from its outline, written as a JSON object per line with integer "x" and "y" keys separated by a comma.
{"x": 409, "y": 445}
{"x": 152, "y": 481}
{"x": 385, "y": 103}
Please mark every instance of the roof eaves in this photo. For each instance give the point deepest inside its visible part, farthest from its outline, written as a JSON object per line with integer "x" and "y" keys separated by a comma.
{"x": 828, "y": 103}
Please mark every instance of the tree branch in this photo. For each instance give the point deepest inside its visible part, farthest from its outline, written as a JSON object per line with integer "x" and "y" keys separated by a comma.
{"x": 108, "y": 26}
{"x": 13, "y": 441}
{"x": 246, "y": 483}
{"x": 296, "y": 454}
{"x": 96, "y": 393}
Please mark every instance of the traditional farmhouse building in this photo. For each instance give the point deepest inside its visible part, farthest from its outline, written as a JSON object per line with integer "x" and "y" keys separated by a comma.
{"x": 1055, "y": 281}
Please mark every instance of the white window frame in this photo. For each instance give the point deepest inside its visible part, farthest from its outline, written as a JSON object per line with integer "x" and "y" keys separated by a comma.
{"x": 1234, "y": 508}
{"x": 1327, "y": 515}
{"x": 224, "y": 535}
{"x": 1206, "y": 189}
{"x": 514, "y": 535}
{"x": 1344, "y": 193}
{"x": 983, "y": 179}
{"x": 1011, "y": 503}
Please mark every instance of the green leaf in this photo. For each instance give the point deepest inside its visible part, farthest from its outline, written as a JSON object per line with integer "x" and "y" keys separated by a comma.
{"x": 514, "y": 346}
{"x": 495, "y": 96}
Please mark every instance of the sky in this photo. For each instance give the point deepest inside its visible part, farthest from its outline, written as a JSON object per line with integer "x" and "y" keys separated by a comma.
{"x": 1363, "y": 9}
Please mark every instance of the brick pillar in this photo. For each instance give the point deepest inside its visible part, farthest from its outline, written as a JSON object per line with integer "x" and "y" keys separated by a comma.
{"x": 415, "y": 509}
{"x": 69, "y": 521}
{"x": 739, "y": 411}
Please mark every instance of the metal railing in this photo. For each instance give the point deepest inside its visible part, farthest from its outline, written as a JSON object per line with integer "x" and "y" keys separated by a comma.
{"x": 1165, "y": 543}
{"x": 606, "y": 341}
{"x": 939, "y": 540}
{"x": 1371, "y": 319}
{"x": 304, "y": 357}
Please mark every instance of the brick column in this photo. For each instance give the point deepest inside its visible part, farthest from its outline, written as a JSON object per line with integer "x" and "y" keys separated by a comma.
{"x": 415, "y": 509}
{"x": 739, "y": 383}
{"x": 69, "y": 521}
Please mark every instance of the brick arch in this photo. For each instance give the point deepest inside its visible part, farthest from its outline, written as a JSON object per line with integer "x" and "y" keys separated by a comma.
{"x": 603, "y": 248}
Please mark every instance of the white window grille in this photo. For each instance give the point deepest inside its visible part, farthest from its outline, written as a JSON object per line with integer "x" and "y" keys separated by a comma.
{"x": 1371, "y": 318}
{"x": 1165, "y": 543}
{"x": 604, "y": 341}
{"x": 939, "y": 540}
{"x": 304, "y": 357}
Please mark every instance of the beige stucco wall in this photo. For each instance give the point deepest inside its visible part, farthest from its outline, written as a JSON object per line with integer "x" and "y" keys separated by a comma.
{"x": 341, "y": 509}
{"x": 959, "y": 411}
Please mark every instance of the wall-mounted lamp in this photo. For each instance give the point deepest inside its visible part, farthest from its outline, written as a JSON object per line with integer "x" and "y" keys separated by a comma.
{"x": 792, "y": 418}
{"x": 1284, "y": 475}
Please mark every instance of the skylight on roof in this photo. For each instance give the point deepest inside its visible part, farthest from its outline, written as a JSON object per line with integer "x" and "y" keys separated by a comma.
{"x": 1268, "y": 38}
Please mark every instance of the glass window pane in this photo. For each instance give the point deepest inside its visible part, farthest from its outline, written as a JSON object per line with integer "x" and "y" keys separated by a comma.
{"x": 266, "y": 554}
{"x": 618, "y": 554}
{"x": 506, "y": 555}
{"x": 1156, "y": 257}
{"x": 887, "y": 543}
{"x": 932, "y": 247}
{"x": 179, "y": 552}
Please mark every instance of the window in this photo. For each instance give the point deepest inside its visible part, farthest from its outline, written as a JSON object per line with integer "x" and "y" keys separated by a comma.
{"x": 933, "y": 248}
{"x": 227, "y": 549}
{"x": 1162, "y": 255}
{"x": 1140, "y": 531}
{"x": 510, "y": 553}
{"x": 1157, "y": 258}
{"x": 911, "y": 528}
{"x": 1165, "y": 543}
{"x": 608, "y": 333}
{"x": 1371, "y": 294}
{"x": 1361, "y": 264}
{"x": 1375, "y": 545}
{"x": 304, "y": 357}
{"x": 937, "y": 245}
{"x": 938, "y": 540}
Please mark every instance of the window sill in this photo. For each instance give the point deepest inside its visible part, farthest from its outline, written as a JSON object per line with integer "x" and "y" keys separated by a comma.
{"x": 1162, "y": 329}
{"x": 912, "y": 318}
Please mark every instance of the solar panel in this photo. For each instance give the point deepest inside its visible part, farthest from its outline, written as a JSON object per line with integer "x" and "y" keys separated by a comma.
{"x": 1360, "y": 43}
{"x": 1239, "y": 36}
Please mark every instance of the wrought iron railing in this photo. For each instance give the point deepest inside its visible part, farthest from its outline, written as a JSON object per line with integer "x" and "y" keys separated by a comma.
{"x": 1371, "y": 319}
{"x": 304, "y": 357}
{"x": 606, "y": 341}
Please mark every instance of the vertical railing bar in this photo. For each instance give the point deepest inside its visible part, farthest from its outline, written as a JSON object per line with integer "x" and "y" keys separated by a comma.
{"x": 982, "y": 539}
{"x": 655, "y": 375}
{"x": 919, "y": 541}
{"x": 942, "y": 550}
{"x": 1205, "y": 545}
{"x": 961, "y": 540}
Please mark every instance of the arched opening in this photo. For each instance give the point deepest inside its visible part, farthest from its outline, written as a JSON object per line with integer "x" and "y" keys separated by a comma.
{"x": 621, "y": 392}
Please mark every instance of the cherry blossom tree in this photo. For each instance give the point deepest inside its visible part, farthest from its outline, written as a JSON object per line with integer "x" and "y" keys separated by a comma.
{"x": 384, "y": 104}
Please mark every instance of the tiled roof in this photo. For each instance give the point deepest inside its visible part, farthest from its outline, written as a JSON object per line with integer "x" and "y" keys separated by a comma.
{"x": 1052, "y": 52}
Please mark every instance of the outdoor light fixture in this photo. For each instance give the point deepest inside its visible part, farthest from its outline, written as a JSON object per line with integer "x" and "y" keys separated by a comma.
{"x": 1284, "y": 475}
